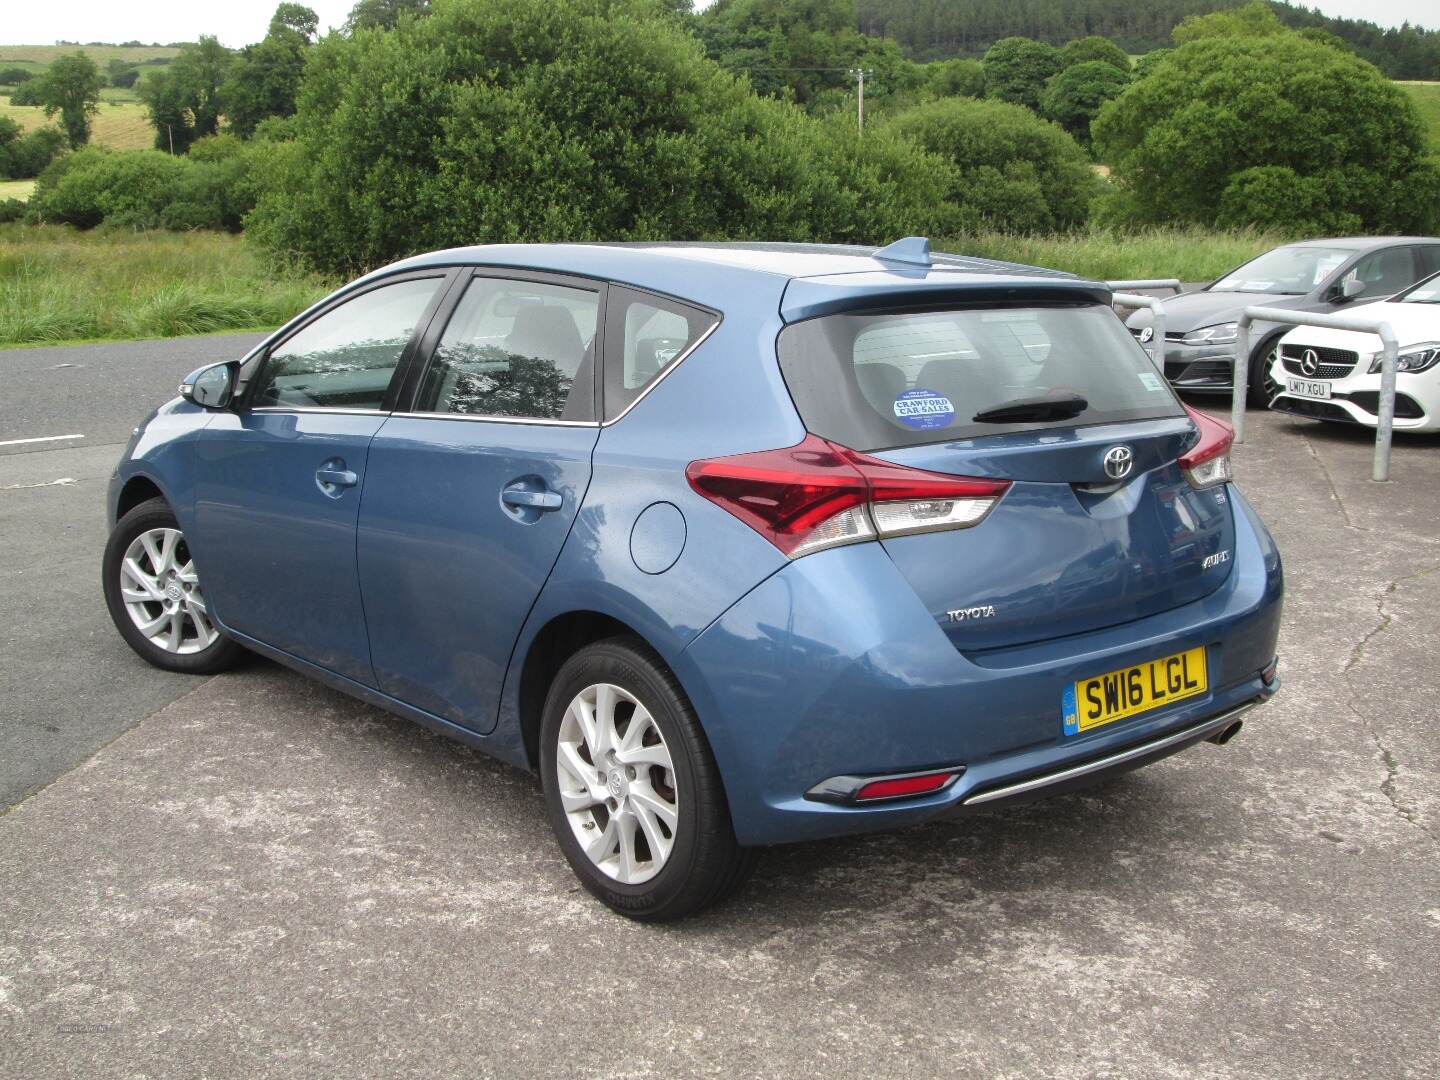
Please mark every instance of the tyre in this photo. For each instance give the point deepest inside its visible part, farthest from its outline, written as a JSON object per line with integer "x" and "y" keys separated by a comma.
{"x": 1261, "y": 388}
{"x": 632, "y": 789}
{"x": 153, "y": 592}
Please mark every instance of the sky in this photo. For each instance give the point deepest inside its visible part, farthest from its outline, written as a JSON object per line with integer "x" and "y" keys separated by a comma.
{"x": 240, "y": 22}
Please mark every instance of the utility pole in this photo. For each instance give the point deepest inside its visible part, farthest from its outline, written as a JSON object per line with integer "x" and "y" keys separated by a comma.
{"x": 858, "y": 74}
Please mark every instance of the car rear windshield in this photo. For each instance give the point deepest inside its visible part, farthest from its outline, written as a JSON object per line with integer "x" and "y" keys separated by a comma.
{"x": 877, "y": 381}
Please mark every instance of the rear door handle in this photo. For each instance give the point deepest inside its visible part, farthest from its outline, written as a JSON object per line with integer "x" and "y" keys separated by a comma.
{"x": 532, "y": 500}
{"x": 337, "y": 477}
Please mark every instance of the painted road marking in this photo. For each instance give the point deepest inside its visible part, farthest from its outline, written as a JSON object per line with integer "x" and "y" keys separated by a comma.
{"x": 43, "y": 438}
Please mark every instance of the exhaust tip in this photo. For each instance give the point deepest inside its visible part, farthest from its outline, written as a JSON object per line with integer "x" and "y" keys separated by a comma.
{"x": 1224, "y": 735}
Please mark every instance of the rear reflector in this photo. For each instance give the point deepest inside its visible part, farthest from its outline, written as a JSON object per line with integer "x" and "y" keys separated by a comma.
{"x": 898, "y": 789}
{"x": 818, "y": 494}
{"x": 1207, "y": 463}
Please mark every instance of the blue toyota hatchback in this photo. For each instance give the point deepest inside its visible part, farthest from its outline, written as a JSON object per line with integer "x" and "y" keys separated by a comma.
{"x": 734, "y": 544}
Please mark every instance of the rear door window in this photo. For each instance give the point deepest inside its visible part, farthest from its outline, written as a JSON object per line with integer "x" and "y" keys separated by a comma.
{"x": 516, "y": 348}
{"x": 876, "y": 381}
{"x": 644, "y": 335}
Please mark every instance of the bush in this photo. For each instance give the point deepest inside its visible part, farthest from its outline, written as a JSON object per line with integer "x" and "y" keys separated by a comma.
{"x": 1321, "y": 126}
{"x": 1017, "y": 68}
{"x": 212, "y": 188}
{"x": 11, "y": 210}
{"x": 526, "y": 120}
{"x": 1074, "y": 97}
{"x": 1016, "y": 171}
{"x": 27, "y": 94}
{"x": 28, "y": 155}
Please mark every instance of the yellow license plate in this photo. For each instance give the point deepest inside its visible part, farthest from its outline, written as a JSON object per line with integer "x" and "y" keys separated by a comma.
{"x": 1094, "y": 702}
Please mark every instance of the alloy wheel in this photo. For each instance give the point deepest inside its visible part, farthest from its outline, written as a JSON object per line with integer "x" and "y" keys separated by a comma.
{"x": 617, "y": 783}
{"x": 161, "y": 592}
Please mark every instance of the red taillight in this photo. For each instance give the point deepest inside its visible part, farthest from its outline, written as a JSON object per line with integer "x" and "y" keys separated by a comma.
{"x": 909, "y": 785}
{"x": 817, "y": 494}
{"x": 1207, "y": 463}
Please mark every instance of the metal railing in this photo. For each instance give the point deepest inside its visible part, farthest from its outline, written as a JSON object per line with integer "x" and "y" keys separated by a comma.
{"x": 1148, "y": 283}
{"x": 1380, "y": 471}
{"x": 1157, "y": 322}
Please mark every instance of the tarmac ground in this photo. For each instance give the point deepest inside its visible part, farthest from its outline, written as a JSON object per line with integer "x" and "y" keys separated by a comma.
{"x": 253, "y": 874}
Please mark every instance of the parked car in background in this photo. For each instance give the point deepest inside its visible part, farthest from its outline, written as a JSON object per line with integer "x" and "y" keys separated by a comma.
{"x": 733, "y": 544}
{"x": 1335, "y": 374}
{"x": 1317, "y": 275}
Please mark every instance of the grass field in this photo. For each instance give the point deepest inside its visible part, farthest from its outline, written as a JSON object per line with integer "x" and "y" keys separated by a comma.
{"x": 39, "y": 56}
{"x": 58, "y": 284}
{"x": 1187, "y": 254}
{"x": 1426, "y": 96}
{"x": 118, "y": 125}
{"x": 16, "y": 189}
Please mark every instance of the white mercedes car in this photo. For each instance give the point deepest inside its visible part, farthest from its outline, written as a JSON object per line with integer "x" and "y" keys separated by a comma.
{"x": 1335, "y": 374}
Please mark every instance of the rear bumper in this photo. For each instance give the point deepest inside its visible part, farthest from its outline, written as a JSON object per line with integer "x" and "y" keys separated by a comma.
{"x": 833, "y": 667}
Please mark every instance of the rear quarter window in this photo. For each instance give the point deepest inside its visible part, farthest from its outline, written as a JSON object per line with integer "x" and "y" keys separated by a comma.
{"x": 874, "y": 381}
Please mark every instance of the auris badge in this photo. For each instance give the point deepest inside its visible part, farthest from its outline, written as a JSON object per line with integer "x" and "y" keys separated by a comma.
{"x": 1119, "y": 460}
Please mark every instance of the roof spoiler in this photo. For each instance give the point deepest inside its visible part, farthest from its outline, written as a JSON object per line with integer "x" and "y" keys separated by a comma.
{"x": 912, "y": 251}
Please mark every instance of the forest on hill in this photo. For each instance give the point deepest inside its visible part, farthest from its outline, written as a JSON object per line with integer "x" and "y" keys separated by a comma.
{"x": 936, "y": 29}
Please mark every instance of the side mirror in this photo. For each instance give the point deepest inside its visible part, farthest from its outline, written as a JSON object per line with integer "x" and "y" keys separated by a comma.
{"x": 1350, "y": 289}
{"x": 211, "y": 387}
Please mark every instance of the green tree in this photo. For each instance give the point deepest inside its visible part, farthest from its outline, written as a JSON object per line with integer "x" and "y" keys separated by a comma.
{"x": 1073, "y": 98}
{"x": 956, "y": 78}
{"x": 1094, "y": 47}
{"x": 14, "y": 76}
{"x": 184, "y": 100}
{"x": 266, "y": 79}
{"x": 1147, "y": 63}
{"x": 1016, "y": 172}
{"x": 1347, "y": 143}
{"x": 1017, "y": 68}
{"x": 548, "y": 120}
{"x": 1254, "y": 20}
{"x": 803, "y": 50}
{"x": 383, "y": 14}
{"x": 71, "y": 87}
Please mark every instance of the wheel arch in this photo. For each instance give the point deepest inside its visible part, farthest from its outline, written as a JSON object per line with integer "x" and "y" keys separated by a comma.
{"x": 558, "y": 640}
{"x": 137, "y": 489}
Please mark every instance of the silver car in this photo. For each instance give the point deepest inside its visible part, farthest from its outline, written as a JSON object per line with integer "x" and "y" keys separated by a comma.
{"x": 1316, "y": 275}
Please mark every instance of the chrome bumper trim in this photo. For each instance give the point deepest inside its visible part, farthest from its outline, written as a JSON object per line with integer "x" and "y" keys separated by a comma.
{"x": 1194, "y": 733}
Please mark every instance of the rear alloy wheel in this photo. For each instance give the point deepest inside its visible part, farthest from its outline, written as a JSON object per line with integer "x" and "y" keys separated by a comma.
{"x": 631, "y": 787}
{"x": 153, "y": 592}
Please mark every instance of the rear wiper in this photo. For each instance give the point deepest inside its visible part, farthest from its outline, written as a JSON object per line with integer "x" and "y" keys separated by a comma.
{"x": 1034, "y": 410}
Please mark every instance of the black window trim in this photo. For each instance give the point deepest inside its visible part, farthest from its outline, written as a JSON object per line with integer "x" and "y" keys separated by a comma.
{"x": 425, "y": 352}
{"x": 446, "y": 276}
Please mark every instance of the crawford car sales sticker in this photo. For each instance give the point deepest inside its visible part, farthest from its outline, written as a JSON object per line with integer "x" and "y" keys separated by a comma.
{"x": 924, "y": 409}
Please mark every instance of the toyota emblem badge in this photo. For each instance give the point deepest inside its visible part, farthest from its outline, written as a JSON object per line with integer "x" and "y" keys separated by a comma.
{"x": 1119, "y": 460}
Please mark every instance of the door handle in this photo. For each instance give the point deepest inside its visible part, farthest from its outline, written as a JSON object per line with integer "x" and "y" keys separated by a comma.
{"x": 337, "y": 477}
{"x": 532, "y": 500}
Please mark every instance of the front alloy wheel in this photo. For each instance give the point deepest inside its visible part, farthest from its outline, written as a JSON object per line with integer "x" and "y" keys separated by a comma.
{"x": 153, "y": 592}
{"x": 162, "y": 593}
